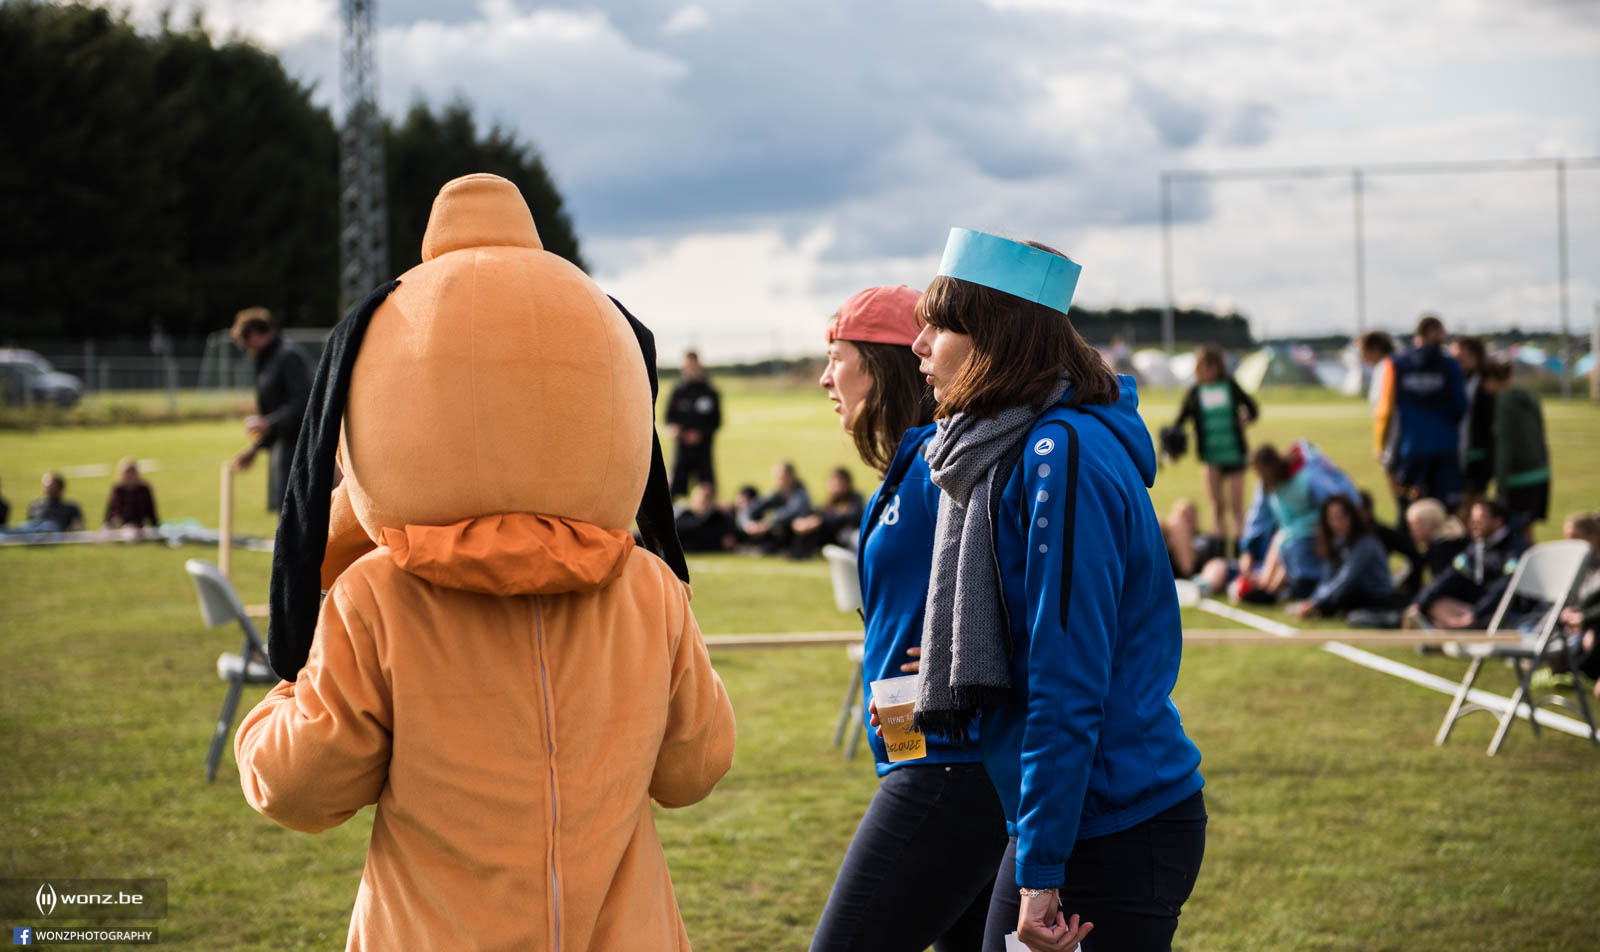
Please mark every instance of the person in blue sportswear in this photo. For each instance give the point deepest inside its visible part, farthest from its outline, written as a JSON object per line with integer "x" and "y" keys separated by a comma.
{"x": 921, "y": 866}
{"x": 1424, "y": 397}
{"x": 1051, "y": 608}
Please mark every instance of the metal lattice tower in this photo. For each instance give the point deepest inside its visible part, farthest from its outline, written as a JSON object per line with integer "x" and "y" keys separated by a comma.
{"x": 363, "y": 208}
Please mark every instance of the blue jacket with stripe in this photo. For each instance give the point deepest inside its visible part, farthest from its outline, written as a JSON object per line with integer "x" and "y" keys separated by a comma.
{"x": 1092, "y": 743}
{"x": 895, "y": 563}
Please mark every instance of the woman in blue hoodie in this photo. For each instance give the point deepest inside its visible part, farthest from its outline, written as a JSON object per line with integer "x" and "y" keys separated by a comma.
{"x": 1051, "y": 607}
{"x": 921, "y": 866}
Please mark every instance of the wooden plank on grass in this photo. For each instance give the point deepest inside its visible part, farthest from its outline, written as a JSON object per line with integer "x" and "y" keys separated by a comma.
{"x": 1202, "y": 636}
{"x": 797, "y": 639}
{"x": 1365, "y": 636}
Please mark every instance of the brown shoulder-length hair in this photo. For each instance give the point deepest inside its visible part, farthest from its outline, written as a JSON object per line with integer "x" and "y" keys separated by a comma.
{"x": 1270, "y": 466}
{"x": 1019, "y": 350}
{"x": 1327, "y": 545}
{"x": 1211, "y": 355}
{"x": 899, "y": 399}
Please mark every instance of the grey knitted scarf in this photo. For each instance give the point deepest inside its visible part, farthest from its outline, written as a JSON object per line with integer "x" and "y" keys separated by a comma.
{"x": 966, "y": 649}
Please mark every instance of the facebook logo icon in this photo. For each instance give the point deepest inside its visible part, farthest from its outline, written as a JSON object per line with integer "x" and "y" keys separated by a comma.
{"x": 21, "y": 935}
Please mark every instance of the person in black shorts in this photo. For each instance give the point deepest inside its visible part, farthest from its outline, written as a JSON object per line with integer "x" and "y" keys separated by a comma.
{"x": 1421, "y": 403}
{"x": 1220, "y": 410}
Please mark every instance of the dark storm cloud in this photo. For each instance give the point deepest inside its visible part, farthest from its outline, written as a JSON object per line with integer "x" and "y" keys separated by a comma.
{"x": 776, "y": 109}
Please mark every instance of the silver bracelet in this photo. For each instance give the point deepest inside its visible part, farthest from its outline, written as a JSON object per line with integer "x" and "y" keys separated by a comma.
{"x": 1035, "y": 893}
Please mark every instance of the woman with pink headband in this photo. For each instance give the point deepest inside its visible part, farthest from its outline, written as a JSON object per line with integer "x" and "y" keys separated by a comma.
{"x": 921, "y": 866}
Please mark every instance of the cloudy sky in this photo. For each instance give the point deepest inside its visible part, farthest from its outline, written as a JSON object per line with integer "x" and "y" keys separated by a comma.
{"x": 736, "y": 168}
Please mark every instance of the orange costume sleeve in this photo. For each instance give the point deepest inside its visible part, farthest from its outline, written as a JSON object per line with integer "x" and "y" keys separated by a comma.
{"x": 697, "y": 748}
{"x": 1383, "y": 407}
{"x": 316, "y": 749}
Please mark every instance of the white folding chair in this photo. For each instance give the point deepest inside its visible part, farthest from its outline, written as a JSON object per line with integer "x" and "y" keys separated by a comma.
{"x": 1545, "y": 574}
{"x": 847, "y": 598}
{"x": 220, "y": 604}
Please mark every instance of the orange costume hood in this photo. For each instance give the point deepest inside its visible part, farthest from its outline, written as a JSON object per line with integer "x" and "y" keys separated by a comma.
{"x": 492, "y": 378}
{"x": 497, "y": 665}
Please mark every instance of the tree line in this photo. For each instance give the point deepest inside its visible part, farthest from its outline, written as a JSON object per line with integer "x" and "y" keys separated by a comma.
{"x": 1141, "y": 326}
{"x": 166, "y": 179}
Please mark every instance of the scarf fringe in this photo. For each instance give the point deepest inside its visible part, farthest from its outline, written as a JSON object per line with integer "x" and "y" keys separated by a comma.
{"x": 953, "y": 726}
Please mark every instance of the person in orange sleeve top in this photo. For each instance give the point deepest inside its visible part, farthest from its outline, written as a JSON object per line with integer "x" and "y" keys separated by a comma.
{"x": 498, "y": 665}
{"x": 1377, "y": 351}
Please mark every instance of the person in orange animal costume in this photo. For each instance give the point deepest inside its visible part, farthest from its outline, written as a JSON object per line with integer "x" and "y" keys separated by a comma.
{"x": 497, "y": 665}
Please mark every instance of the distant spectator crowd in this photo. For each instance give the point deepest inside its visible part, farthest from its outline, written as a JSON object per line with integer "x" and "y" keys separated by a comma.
{"x": 782, "y": 521}
{"x": 130, "y": 504}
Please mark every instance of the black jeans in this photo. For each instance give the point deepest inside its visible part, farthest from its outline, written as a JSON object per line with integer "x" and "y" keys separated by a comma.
{"x": 921, "y": 866}
{"x": 1131, "y": 885}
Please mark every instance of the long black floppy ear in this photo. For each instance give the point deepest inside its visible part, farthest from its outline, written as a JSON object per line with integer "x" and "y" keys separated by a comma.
{"x": 303, "y": 524}
{"x": 656, "y": 524}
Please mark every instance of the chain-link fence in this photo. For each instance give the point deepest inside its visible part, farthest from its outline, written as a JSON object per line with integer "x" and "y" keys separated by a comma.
{"x": 62, "y": 373}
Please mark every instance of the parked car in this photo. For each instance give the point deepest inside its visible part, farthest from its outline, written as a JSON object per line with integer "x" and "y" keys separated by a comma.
{"x": 26, "y": 377}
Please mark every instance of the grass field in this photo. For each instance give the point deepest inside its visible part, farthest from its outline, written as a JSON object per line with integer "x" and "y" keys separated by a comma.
{"x": 1335, "y": 822}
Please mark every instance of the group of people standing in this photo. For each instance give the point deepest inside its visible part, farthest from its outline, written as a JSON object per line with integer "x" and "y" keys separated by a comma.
{"x": 1011, "y": 559}
{"x": 1448, "y": 425}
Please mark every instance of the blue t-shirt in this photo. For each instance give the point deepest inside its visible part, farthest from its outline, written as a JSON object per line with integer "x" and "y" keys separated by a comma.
{"x": 896, "y": 560}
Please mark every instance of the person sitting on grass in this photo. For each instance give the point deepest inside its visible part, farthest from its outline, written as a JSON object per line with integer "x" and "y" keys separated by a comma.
{"x": 704, "y": 526}
{"x": 1396, "y": 541}
{"x": 1220, "y": 410}
{"x": 1465, "y": 595}
{"x": 50, "y": 512}
{"x": 833, "y": 524}
{"x": 1295, "y": 487}
{"x": 1355, "y": 571}
{"x": 1188, "y": 549}
{"x": 5, "y": 512}
{"x": 769, "y": 523}
{"x": 745, "y": 502}
{"x": 1436, "y": 534}
{"x": 131, "y": 503}
{"x": 1581, "y": 617}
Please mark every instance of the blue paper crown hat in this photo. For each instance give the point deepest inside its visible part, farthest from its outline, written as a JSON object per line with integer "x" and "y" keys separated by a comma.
{"x": 1010, "y": 266}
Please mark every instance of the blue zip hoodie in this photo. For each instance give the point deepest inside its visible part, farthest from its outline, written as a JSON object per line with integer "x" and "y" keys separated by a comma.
{"x": 1092, "y": 744}
{"x": 896, "y": 561}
